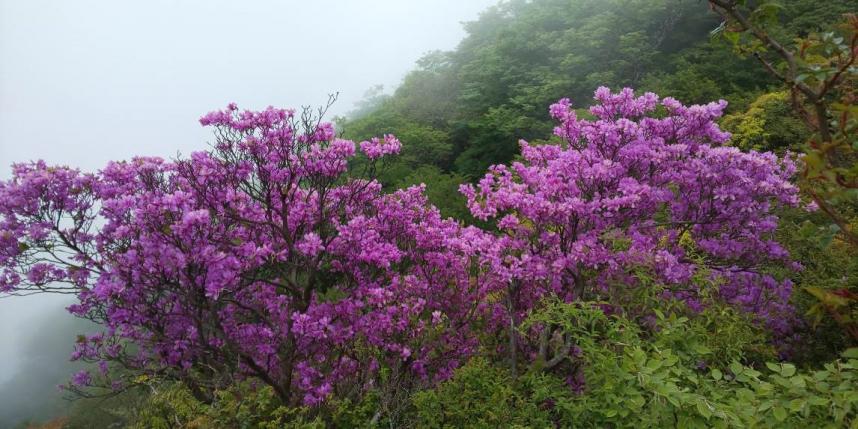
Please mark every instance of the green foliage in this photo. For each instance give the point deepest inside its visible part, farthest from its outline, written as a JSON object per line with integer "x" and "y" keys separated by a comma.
{"x": 631, "y": 379}
{"x": 769, "y": 124}
{"x": 480, "y": 395}
{"x": 494, "y": 137}
{"x": 830, "y": 265}
{"x": 686, "y": 84}
{"x": 442, "y": 189}
{"x": 169, "y": 406}
{"x": 716, "y": 334}
{"x": 636, "y": 380}
{"x": 112, "y": 411}
{"x": 244, "y": 406}
{"x": 727, "y": 335}
{"x": 426, "y": 144}
{"x": 247, "y": 405}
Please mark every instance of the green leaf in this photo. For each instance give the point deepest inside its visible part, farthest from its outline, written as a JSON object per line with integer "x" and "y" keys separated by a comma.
{"x": 798, "y": 381}
{"x": 716, "y": 374}
{"x": 818, "y": 401}
{"x": 796, "y": 405}
{"x": 851, "y": 353}
{"x": 703, "y": 409}
{"x": 702, "y": 349}
{"x": 653, "y": 364}
{"x": 766, "y": 13}
{"x": 674, "y": 401}
{"x": 639, "y": 357}
{"x": 780, "y": 413}
{"x": 736, "y": 368}
{"x": 788, "y": 370}
{"x": 773, "y": 366}
{"x": 637, "y": 402}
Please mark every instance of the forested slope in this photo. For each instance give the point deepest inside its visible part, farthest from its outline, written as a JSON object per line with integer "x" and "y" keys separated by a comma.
{"x": 464, "y": 110}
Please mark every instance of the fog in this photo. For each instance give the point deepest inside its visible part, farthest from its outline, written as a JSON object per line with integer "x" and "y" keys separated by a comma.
{"x": 83, "y": 82}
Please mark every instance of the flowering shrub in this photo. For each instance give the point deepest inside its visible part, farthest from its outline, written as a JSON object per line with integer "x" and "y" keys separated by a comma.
{"x": 260, "y": 258}
{"x": 646, "y": 185}
{"x": 267, "y": 258}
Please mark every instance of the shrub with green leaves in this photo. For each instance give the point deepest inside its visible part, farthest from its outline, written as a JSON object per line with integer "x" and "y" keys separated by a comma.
{"x": 479, "y": 395}
{"x": 636, "y": 378}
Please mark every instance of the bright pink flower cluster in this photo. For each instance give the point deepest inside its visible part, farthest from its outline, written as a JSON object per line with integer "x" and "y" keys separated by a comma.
{"x": 375, "y": 148}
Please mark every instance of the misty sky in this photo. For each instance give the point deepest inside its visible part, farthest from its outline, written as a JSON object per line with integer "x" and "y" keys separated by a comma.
{"x": 83, "y": 82}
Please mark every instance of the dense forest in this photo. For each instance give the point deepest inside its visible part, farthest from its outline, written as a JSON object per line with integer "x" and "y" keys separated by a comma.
{"x": 718, "y": 288}
{"x": 465, "y": 110}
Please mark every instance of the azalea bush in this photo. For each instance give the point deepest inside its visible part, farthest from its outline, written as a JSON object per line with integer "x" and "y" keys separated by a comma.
{"x": 261, "y": 258}
{"x": 647, "y": 188}
{"x": 275, "y": 257}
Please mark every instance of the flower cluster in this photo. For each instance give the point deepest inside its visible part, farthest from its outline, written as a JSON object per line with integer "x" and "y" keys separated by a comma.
{"x": 375, "y": 148}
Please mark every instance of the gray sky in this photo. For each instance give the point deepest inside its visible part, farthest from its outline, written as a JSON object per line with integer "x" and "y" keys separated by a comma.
{"x": 84, "y": 81}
